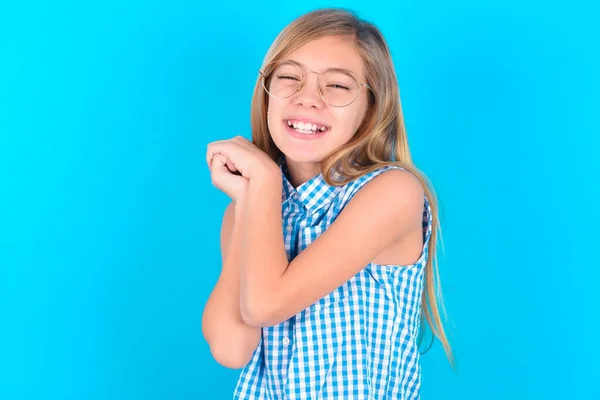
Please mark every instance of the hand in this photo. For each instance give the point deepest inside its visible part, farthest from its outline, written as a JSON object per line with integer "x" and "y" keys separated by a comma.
{"x": 234, "y": 162}
{"x": 227, "y": 178}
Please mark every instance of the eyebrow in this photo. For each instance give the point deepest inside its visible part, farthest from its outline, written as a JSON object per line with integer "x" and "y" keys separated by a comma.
{"x": 343, "y": 70}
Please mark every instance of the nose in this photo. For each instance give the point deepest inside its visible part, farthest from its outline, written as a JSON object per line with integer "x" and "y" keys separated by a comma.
{"x": 309, "y": 95}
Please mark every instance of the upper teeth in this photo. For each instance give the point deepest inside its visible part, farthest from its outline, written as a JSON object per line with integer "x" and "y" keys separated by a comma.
{"x": 306, "y": 126}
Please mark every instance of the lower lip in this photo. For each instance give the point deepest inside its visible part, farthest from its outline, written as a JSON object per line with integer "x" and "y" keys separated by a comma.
{"x": 304, "y": 136}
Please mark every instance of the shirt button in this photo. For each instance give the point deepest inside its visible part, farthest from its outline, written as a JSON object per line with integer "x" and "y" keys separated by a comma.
{"x": 295, "y": 196}
{"x": 289, "y": 228}
{"x": 286, "y": 341}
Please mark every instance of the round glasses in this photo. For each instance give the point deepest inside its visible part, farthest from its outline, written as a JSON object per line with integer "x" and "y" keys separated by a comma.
{"x": 337, "y": 87}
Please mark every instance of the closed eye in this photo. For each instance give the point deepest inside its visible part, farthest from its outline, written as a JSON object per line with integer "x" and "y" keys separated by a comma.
{"x": 288, "y": 77}
{"x": 337, "y": 86}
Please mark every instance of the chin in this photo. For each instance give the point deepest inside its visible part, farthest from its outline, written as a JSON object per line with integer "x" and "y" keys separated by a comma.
{"x": 300, "y": 152}
{"x": 301, "y": 158}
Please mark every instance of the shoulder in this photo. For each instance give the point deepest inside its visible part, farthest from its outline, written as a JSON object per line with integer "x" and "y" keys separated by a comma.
{"x": 395, "y": 180}
{"x": 392, "y": 194}
{"x": 227, "y": 226}
{"x": 389, "y": 183}
{"x": 228, "y": 216}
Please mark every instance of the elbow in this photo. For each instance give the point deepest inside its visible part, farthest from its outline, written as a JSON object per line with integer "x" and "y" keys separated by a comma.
{"x": 229, "y": 351}
{"x": 255, "y": 312}
{"x": 230, "y": 355}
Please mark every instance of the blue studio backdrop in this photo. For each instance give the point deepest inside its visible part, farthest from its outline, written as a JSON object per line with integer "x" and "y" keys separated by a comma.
{"x": 109, "y": 224}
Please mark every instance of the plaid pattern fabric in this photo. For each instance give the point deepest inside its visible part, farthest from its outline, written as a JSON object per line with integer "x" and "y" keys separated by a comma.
{"x": 359, "y": 341}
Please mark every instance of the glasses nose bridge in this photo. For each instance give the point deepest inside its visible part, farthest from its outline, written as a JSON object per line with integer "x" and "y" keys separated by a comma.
{"x": 318, "y": 81}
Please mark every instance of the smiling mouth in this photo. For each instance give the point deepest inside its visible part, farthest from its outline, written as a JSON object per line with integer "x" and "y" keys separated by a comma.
{"x": 306, "y": 128}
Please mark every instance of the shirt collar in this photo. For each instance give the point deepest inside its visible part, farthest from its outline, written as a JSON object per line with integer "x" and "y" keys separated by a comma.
{"x": 313, "y": 194}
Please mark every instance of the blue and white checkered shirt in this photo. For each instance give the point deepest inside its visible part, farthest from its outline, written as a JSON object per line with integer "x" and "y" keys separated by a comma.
{"x": 359, "y": 341}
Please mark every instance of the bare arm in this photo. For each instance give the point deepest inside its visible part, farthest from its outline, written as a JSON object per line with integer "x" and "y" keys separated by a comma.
{"x": 384, "y": 211}
{"x": 232, "y": 342}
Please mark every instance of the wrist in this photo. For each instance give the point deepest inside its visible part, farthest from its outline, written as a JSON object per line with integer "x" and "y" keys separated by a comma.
{"x": 267, "y": 176}
{"x": 238, "y": 206}
{"x": 265, "y": 187}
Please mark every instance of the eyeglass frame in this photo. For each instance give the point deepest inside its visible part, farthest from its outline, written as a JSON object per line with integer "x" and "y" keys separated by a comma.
{"x": 303, "y": 81}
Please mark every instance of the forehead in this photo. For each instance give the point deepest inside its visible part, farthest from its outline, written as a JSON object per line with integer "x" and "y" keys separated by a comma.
{"x": 329, "y": 52}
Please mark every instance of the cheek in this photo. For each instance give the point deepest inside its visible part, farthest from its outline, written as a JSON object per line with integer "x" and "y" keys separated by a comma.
{"x": 274, "y": 115}
{"x": 348, "y": 122}
{"x": 271, "y": 120}
{"x": 360, "y": 114}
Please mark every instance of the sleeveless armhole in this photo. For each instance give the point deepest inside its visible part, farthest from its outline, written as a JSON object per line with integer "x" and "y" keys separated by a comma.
{"x": 355, "y": 186}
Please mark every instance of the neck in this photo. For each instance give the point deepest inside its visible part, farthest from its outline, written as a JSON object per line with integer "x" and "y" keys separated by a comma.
{"x": 302, "y": 172}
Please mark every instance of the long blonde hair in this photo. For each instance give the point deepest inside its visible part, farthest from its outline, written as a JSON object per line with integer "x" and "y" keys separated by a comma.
{"x": 380, "y": 139}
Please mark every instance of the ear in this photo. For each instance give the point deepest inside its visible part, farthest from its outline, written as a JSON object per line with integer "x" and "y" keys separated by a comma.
{"x": 372, "y": 97}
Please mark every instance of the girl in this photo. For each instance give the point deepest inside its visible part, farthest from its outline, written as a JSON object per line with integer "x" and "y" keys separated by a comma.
{"x": 329, "y": 240}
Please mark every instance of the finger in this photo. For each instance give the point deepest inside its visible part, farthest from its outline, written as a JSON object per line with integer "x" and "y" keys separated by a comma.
{"x": 210, "y": 159}
{"x": 211, "y": 150}
{"x": 225, "y": 147}
{"x": 219, "y": 164}
{"x": 231, "y": 166}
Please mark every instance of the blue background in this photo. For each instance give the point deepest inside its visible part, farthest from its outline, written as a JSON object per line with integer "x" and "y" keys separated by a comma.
{"x": 109, "y": 224}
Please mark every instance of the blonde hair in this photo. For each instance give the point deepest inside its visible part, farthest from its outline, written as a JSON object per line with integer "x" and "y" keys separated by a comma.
{"x": 380, "y": 139}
